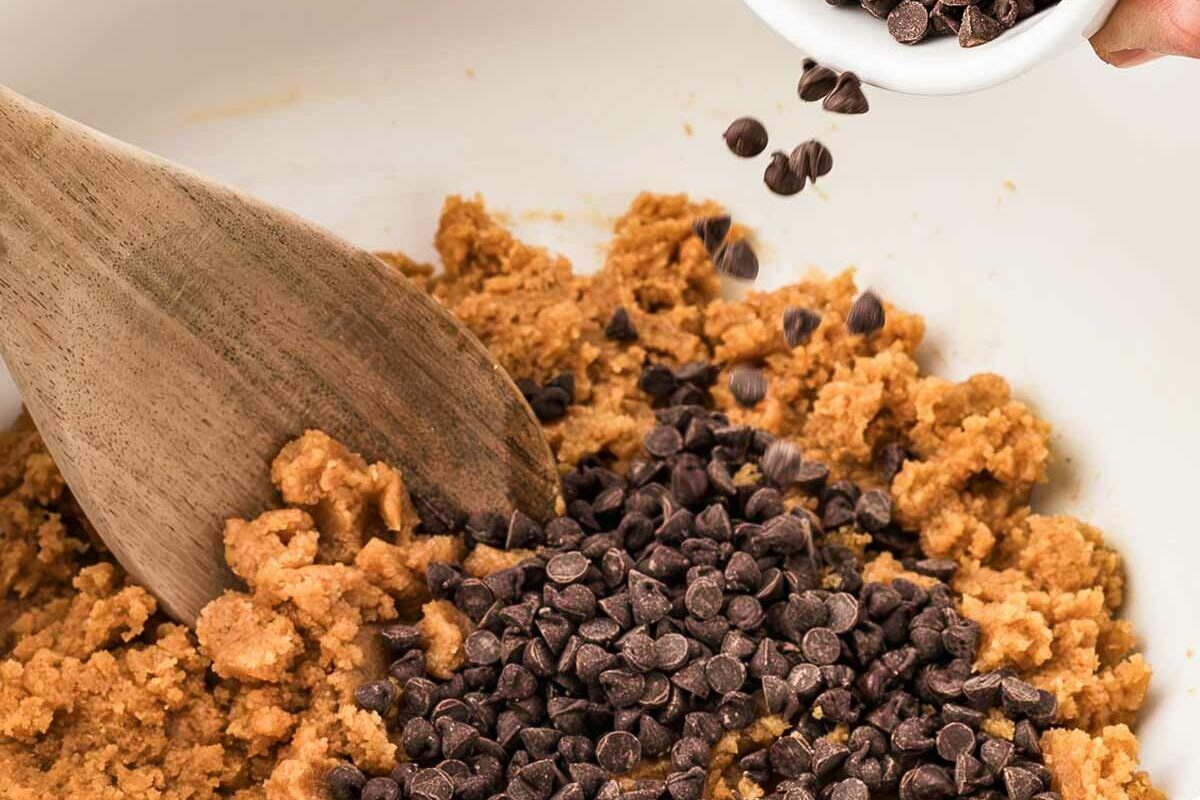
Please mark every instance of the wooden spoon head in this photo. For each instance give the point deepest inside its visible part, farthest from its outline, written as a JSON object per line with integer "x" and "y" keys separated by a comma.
{"x": 169, "y": 335}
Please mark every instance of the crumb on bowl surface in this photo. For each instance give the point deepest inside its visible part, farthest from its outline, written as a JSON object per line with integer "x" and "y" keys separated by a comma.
{"x": 100, "y": 697}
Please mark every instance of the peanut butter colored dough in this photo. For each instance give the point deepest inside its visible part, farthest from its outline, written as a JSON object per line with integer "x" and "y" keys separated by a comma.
{"x": 101, "y": 698}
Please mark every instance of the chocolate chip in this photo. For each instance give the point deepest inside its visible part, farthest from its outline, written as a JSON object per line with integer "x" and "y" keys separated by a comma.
{"x": 969, "y": 774}
{"x": 1017, "y": 697}
{"x": 779, "y": 176}
{"x": 827, "y": 756}
{"x": 843, "y": 612}
{"x": 381, "y": 789}
{"x": 724, "y": 673}
{"x": 781, "y": 462}
{"x": 663, "y": 441}
{"x": 408, "y": 666}
{"x": 983, "y": 691}
{"x": 977, "y": 28}
{"x": 866, "y": 314}
{"x": 873, "y": 511}
{"x": 799, "y": 324}
{"x": 345, "y": 782}
{"x": 430, "y": 784}
{"x": 688, "y": 785}
{"x": 996, "y": 753}
{"x": 912, "y": 736}
{"x": 688, "y": 752}
{"x": 1020, "y": 784}
{"x": 735, "y": 711}
{"x": 745, "y": 612}
{"x": 747, "y": 385}
{"x": 419, "y": 739}
{"x": 811, "y": 160}
{"x": 836, "y": 706}
{"x": 954, "y": 739}
{"x": 790, "y": 756}
{"x": 946, "y": 18}
{"x": 908, "y": 23}
{"x": 746, "y": 137}
{"x": 670, "y": 652}
{"x": 376, "y": 696}
{"x": 657, "y": 380}
{"x": 400, "y": 638}
{"x": 737, "y": 260}
{"x": 816, "y": 81}
{"x": 926, "y": 782}
{"x": 481, "y": 648}
{"x": 1026, "y": 739}
{"x": 847, "y": 96}
{"x": 712, "y": 231}
{"x": 821, "y": 646}
{"x": 618, "y": 752}
{"x": 850, "y": 789}
{"x": 620, "y": 327}
{"x": 567, "y": 567}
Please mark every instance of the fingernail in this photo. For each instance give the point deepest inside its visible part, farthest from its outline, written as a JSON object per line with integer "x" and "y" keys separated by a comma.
{"x": 1130, "y": 58}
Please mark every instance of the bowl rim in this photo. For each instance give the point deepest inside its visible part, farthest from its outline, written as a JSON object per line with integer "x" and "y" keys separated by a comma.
{"x": 933, "y": 67}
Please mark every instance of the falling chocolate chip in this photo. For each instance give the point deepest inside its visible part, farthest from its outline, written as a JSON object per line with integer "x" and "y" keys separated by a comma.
{"x": 847, "y": 96}
{"x": 746, "y": 137}
{"x": 737, "y": 260}
{"x": 908, "y": 23}
{"x": 620, "y": 327}
{"x": 712, "y": 231}
{"x": 747, "y": 385}
{"x": 779, "y": 176}
{"x": 816, "y": 81}
{"x": 866, "y": 314}
{"x": 977, "y": 28}
{"x": 811, "y": 160}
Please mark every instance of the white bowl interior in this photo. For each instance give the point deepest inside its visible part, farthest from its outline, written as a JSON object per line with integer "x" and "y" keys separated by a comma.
{"x": 1045, "y": 228}
{"x": 847, "y": 38}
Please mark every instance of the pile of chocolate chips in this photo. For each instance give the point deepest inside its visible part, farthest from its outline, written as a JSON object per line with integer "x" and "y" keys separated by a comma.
{"x": 687, "y": 599}
{"x": 973, "y": 22}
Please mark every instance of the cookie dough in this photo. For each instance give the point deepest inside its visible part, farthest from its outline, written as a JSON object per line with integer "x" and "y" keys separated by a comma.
{"x": 100, "y": 697}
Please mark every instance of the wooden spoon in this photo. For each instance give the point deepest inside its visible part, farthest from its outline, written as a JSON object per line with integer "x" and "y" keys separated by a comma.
{"x": 169, "y": 335}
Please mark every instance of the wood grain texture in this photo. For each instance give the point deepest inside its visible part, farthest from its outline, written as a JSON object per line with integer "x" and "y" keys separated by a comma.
{"x": 169, "y": 335}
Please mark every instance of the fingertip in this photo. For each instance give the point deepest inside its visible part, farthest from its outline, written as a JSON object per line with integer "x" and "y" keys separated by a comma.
{"x": 1124, "y": 59}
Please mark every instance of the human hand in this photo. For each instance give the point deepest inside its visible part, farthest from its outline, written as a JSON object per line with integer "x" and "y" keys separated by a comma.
{"x": 1138, "y": 31}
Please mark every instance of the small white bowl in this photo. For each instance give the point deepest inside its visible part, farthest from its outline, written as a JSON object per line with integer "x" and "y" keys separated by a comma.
{"x": 848, "y": 38}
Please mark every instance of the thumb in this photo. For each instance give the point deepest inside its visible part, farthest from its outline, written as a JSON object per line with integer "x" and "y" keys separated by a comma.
{"x": 1139, "y": 30}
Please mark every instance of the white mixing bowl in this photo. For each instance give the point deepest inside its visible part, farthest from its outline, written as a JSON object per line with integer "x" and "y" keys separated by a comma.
{"x": 847, "y": 38}
{"x": 1046, "y": 227}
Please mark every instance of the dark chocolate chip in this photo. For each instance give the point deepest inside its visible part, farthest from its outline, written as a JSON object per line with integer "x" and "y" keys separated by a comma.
{"x": 799, "y": 324}
{"x": 821, "y": 646}
{"x": 811, "y": 160}
{"x": 908, "y": 23}
{"x": 779, "y": 176}
{"x": 747, "y": 385}
{"x": 746, "y": 137}
{"x": 712, "y": 231}
{"x": 620, "y": 327}
{"x": 926, "y": 782}
{"x": 381, "y": 789}
{"x": 873, "y": 511}
{"x": 737, "y": 260}
{"x": 618, "y": 752}
{"x": 816, "y": 81}
{"x": 725, "y": 673}
{"x": 345, "y": 782}
{"x": 376, "y": 696}
{"x": 1020, "y": 784}
{"x": 847, "y": 96}
{"x": 850, "y": 789}
{"x": 977, "y": 28}
{"x": 866, "y": 314}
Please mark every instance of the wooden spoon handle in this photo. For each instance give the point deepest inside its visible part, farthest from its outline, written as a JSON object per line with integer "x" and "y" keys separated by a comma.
{"x": 170, "y": 335}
